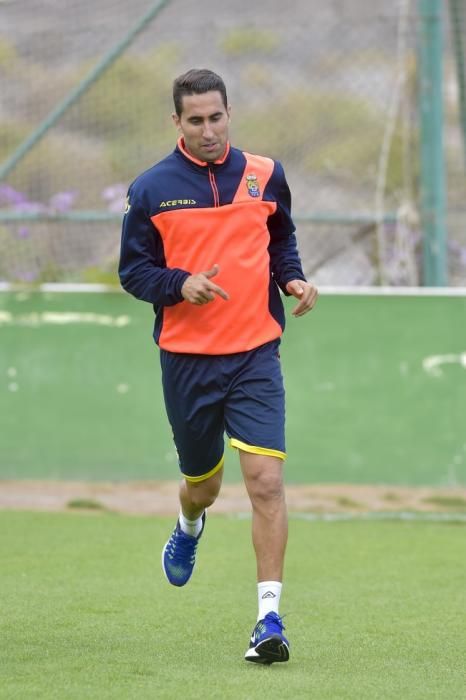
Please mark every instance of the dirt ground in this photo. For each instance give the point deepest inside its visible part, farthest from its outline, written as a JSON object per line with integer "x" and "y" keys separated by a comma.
{"x": 160, "y": 498}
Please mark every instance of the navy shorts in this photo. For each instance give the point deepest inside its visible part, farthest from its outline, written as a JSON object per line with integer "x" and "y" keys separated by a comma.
{"x": 207, "y": 395}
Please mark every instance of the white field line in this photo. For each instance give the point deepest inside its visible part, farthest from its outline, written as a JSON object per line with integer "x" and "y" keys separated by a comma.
{"x": 433, "y": 364}
{"x": 59, "y": 287}
{"x": 324, "y": 290}
{"x": 394, "y": 291}
{"x": 62, "y": 318}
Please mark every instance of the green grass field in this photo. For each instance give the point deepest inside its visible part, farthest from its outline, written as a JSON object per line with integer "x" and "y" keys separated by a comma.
{"x": 372, "y": 610}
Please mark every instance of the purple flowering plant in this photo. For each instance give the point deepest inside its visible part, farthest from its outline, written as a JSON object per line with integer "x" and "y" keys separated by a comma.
{"x": 17, "y": 201}
{"x": 61, "y": 202}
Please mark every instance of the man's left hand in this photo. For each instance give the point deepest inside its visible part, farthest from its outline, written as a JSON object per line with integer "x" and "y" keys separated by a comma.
{"x": 306, "y": 293}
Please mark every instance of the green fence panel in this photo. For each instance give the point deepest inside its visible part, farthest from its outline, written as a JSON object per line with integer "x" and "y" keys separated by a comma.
{"x": 376, "y": 390}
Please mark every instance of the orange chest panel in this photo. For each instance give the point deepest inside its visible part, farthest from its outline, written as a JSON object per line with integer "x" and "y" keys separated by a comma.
{"x": 235, "y": 236}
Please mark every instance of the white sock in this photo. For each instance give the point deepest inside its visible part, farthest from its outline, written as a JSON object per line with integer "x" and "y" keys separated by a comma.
{"x": 190, "y": 527}
{"x": 268, "y": 594}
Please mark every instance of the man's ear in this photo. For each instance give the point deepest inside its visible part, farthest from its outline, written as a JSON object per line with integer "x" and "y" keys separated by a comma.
{"x": 176, "y": 121}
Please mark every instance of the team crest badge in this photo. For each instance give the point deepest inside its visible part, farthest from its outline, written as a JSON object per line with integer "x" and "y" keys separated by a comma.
{"x": 252, "y": 185}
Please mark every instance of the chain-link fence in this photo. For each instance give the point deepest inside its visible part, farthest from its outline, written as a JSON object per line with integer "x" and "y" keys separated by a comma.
{"x": 330, "y": 89}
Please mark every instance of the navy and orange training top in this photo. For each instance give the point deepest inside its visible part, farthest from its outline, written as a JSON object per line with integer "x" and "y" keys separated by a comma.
{"x": 182, "y": 217}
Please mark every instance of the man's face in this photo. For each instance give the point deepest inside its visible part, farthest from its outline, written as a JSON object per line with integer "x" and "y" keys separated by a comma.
{"x": 204, "y": 125}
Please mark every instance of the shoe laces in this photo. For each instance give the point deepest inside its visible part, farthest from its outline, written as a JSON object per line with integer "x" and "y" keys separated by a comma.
{"x": 274, "y": 619}
{"x": 182, "y": 546}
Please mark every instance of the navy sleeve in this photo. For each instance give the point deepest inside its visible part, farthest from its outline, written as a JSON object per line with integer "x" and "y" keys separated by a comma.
{"x": 142, "y": 269}
{"x": 284, "y": 257}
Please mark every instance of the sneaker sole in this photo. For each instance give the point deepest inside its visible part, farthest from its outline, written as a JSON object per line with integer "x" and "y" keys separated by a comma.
{"x": 269, "y": 651}
{"x": 163, "y": 563}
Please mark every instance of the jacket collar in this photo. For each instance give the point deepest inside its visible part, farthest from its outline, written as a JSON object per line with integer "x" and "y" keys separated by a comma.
{"x": 182, "y": 148}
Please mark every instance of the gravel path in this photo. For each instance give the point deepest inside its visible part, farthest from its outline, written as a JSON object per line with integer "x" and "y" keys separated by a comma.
{"x": 160, "y": 498}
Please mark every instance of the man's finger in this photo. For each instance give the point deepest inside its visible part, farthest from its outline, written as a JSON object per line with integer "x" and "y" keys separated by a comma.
{"x": 295, "y": 288}
{"x": 212, "y": 272}
{"x": 306, "y": 303}
{"x": 299, "y": 310}
{"x": 298, "y": 290}
{"x": 218, "y": 290}
{"x": 214, "y": 287}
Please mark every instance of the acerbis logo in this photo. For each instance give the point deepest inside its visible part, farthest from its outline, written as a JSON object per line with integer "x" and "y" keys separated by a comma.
{"x": 176, "y": 202}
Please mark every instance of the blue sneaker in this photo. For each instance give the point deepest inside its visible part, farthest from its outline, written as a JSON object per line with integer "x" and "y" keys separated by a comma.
{"x": 179, "y": 555}
{"x": 268, "y": 644}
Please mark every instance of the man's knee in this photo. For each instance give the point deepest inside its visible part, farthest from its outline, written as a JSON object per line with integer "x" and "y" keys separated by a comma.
{"x": 201, "y": 498}
{"x": 203, "y": 494}
{"x": 266, "y": 487}
{"x": 263, "y": 477}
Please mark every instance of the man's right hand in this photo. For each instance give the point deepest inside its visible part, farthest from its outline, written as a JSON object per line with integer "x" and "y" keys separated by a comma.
{"x": 198, "y": 289}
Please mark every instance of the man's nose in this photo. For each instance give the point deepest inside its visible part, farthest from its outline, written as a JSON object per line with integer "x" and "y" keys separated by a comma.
{"x": 207, "y": 130}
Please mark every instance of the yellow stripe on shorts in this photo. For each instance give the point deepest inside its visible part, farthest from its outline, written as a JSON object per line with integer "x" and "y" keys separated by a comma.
{"x": 203, "y": 477}
{"x": 255, "y": 449}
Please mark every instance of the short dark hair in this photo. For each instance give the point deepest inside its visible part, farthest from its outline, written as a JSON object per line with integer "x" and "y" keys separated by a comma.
{"x": 195, "y": 82}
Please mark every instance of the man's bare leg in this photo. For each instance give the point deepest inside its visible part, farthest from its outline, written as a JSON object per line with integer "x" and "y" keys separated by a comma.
{"x": 179, "y": 553}
{"x": 263, "y": 476}
{"x": 195, "y": 497}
